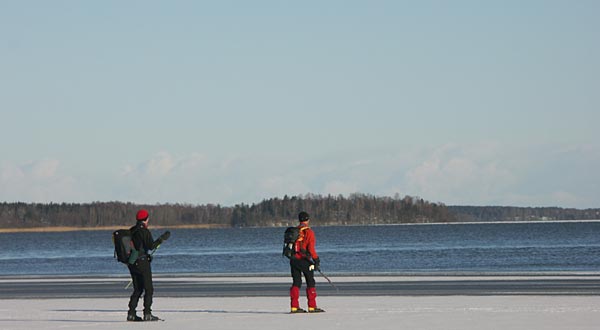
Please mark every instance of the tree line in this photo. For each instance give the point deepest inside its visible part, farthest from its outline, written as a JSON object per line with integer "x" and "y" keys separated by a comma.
{"x": 325, "y": 210}
{"x": 356, "y": 209}
{"x": 510, "y": 213}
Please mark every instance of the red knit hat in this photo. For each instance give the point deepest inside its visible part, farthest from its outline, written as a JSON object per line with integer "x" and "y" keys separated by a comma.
{"x": 142, "y": 215}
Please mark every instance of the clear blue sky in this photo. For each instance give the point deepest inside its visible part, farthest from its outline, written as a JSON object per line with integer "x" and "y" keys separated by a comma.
{"x": 460, "y": 102}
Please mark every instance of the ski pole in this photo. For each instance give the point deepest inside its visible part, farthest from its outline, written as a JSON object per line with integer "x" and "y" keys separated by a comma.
{"x": 131, "y": 281}
{"x": 328, "y": 280}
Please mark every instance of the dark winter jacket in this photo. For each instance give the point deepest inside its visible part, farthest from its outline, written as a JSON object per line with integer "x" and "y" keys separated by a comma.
{"x": 142, "y": 239}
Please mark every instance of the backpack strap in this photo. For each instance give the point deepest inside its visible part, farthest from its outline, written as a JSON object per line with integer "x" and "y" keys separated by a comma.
{"x": 141, "y": 251}
{"x": 301, "y": 234}
{"x": 301, "y": 238}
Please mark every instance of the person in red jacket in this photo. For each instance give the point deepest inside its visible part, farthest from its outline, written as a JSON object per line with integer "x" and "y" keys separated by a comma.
{"x": 305, "y": 261}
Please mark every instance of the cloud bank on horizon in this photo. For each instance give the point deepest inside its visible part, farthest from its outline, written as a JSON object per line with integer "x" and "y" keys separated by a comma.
{"x": 477, "y": 175}
{"x": 463, "y": 103}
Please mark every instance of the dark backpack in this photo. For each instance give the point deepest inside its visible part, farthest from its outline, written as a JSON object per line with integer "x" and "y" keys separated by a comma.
{"x": 123, "y": 245}
{"x": 290, "y": 237}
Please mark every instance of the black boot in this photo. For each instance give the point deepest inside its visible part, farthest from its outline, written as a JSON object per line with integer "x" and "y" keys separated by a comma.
{"x": 150, "y": 317}
{"x": 131, "y": 316}
{"x": 295, "y": 310}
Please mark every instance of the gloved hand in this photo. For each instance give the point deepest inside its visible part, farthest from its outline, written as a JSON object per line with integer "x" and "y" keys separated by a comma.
{"x": 165, "y": 236}
{"x": 317, "y": 264}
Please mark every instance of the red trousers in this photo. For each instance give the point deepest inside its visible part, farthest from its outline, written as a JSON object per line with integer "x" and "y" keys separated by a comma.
{"x": 311, "y": 296}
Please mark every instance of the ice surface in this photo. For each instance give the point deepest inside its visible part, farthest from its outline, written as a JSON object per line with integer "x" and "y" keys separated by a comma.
{"x": 348, "y": 313}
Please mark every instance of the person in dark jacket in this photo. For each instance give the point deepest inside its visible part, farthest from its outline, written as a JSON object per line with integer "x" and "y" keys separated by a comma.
{"x": 305, "y": 261}
{"x": 140, "y": 270}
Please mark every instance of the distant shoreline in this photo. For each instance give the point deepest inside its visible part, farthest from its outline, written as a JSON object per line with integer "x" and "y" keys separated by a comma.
{"x": 68, "y": 228}
{"x": 219, "y": 226}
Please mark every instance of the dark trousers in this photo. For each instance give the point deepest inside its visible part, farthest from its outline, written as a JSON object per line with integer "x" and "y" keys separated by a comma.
{"x": 299, "y": 267}
{"x": 141, "y": 274}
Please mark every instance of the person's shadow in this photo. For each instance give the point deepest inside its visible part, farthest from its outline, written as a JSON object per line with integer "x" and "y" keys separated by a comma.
{"x": 218, "y": 311}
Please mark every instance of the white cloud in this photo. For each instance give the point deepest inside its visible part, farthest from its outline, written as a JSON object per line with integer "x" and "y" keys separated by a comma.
{"x": 10, "y": 172}
{"x": 158, "y": 166}
{"x": 37, "y": 181}
{"x": 469, "y": 175}
{"x": 478, "y": 174}
{"x": 45, "y": 168}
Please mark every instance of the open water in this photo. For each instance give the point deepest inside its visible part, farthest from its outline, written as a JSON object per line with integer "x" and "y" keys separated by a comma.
{"x": 402, "y": 249}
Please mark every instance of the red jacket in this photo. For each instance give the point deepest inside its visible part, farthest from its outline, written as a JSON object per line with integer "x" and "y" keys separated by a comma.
{"x": 305, "y": 245}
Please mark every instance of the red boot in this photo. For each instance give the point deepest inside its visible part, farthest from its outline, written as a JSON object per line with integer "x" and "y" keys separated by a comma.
{"x": 294, "y": 296}
{"x": 311, "y": 295}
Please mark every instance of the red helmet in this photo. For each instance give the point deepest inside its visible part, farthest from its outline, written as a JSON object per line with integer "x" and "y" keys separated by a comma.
{"x": 142, "y": 215}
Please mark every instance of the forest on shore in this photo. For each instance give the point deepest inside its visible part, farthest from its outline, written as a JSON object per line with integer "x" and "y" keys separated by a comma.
{"x": 356, "y": 209}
